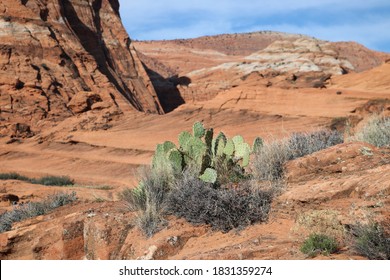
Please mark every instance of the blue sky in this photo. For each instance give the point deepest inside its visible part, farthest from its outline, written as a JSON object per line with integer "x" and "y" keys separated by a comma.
{"x": 363, "y": 21}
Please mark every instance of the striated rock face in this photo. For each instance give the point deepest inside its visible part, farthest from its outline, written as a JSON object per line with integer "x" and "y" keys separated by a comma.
{"x": 214, "y": 64}
{"x": 52, "y": 51}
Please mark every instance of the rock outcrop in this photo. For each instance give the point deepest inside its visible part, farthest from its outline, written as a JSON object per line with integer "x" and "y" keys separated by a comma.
{"x": 214, "y": 64}
{"x": 54, "y": 51}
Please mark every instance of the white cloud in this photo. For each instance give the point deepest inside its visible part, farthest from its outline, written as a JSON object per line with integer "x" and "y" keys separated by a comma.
{"x": 370, "y": 34}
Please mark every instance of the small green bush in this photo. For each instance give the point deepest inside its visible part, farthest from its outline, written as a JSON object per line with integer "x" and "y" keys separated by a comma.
{"x": 376, "y": 132}
{"x": 319, "y": 243}
{"x": 46, "y": 180}
{"x": 371, "y": 241}
{"x": 53, "y": 181}
{"x": 13, "y": 176}
{"x": 33, "y": 209}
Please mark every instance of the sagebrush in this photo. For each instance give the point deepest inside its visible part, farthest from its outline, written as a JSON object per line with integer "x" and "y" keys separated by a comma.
{"x": 33, "y": 209}
{"x": 375, "y": 132}
{"x": 223, "y": 208}
{"x": 269, "y": 161}
{"x": 371, "y": 240}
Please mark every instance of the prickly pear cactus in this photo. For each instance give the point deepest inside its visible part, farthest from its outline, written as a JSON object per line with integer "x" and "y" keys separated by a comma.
{"x": 209, "y": 176}
{"x": 176, "y": 160}
{"x": 229, "y": 148}
{"x": 238, "y": 139}
{"x": 205, "y": 154}
{"x": 160, "y": 156}
{"x": 257, "y": 145}
{"x": 194, "y": 152}
{"x": 243, "y": 151}
{"x": 198, "y": 130}
{"x": 184, "y": 138}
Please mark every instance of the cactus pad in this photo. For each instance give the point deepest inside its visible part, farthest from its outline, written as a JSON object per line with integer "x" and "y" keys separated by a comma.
{"x": 229, "y": 148}
{"x": 198, "y": 130}
{"x": 176, "y": 160}
{"x": 184, "y": 137}
{"x": 257, "y": 145}
{"x": 209, "y": 176}
{"x": 238, "y": 139}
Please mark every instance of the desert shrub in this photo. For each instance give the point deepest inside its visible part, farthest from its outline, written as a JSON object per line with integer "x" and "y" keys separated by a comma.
{"x": 376, "y": 132}
{"x": 302, "y": 144}
{"x": 371, "y": 241}
{"x": 270, "y": 159}
{"x": 269, "y": 162}
{"x": 321, "y": 222}
{"x": 319, "y": 243}
{"x": 53, "y": 181}
{"x": 46, "y": 180}
{"x": 13, "y": 176}
{"x": 222, "y": 208}
{"x": 33, "y": 209}
{"x": 148, "y": 199}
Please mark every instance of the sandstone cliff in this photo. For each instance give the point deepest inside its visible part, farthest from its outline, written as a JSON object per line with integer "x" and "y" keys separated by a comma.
{"x": 60, "y": 58}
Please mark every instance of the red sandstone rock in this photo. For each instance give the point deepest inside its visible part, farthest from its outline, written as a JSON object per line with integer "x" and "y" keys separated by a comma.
{"x": 52, "y": 50}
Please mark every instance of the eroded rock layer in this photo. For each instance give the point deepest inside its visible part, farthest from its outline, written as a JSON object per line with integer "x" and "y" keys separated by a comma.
{"x": 60, "y": 58}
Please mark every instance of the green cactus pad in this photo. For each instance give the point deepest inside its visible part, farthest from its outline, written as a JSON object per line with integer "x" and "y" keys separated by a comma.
{"x": 184, "y": 137}
{"x": 209, "y": 176}
{"x": 208, "y": 139}
{"x": 238, "y": 139}
{"x": 198, "y": 130}
{"x": 196, "y": 150}
{"x": 213, "y": 146}
{"x": 159, "y": 149}
{"x": 220, "y": 146}
{"x": 243, "y": 152}
{"x": 159, "y": 155}
{"x": 257, "y": 145}
{"x": 245, "y": 160}
{"x": 229, "y": 148}
{"x": 222, "y": 136}
{"x": 176, "y": 160}
{"x": 167, "y": 146}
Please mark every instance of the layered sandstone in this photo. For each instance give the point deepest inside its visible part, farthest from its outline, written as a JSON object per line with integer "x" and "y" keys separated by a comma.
{"x": 203, "y": 67}
{"x": 52, "y": 52}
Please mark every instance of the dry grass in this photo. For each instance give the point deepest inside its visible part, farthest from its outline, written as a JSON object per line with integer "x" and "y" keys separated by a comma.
{"x": 33, "y": 209}
{"x": 269, "y": 161}
{"x": 320, "y": 222}
{"x": 375, "y": 132}
{"x": 148, "y": 199}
